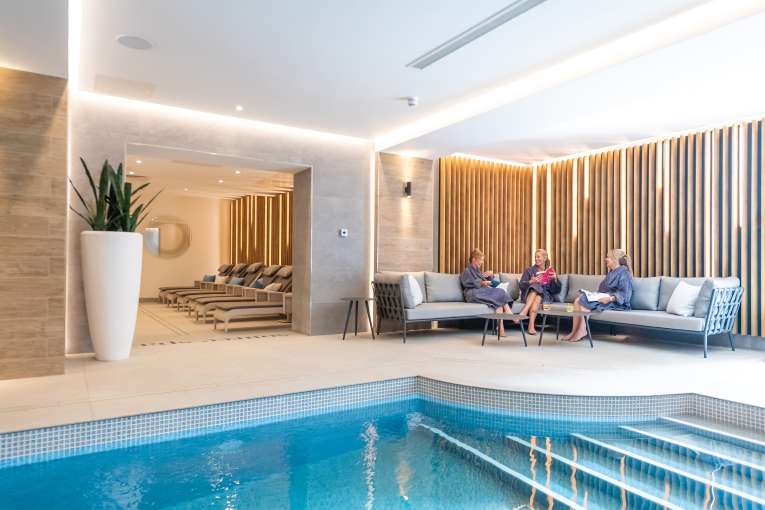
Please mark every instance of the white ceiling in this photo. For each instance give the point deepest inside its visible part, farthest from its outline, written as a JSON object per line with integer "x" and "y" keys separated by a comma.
{"x": 339, "y": 66}
{"x": 335, "y": 65}
{"x": 197, "y": 174}
{"x": 33, "y": 36}
{"x": 707, "y": 80}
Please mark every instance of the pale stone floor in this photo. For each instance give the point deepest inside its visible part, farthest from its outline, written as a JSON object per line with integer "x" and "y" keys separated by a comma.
{"x": 204, "y": 367}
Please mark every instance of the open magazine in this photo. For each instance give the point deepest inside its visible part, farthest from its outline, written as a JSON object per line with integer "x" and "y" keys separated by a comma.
{"x": 545, "y": 276}
{"x": 594, "y": 296}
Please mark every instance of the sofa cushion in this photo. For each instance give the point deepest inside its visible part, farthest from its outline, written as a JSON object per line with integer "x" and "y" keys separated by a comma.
{"x": 513, "y": 289}
{"x": 395, "y": 277}
{"x": 444, "y": 310}
{"x": 705, "y": 296}
{"x": 442, "y": 287}
{"x": 683, "y": 300}
{"x": 561, "y": 296}
{"x": 645, "y": 293}
{"x": 411, "y": 294}
{"x": 651, "y": 318}
{"x": 667, "y": 287}
{"x": 581, "y": 281}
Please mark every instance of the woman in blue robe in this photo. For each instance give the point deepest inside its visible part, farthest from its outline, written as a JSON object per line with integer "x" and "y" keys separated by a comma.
{"x": 533, "y": 291}
{"x": 477, "y": 287}
{"x": 617, "y": 284}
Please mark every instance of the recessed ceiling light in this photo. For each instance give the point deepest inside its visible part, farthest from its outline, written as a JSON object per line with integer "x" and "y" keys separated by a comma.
{"x": 185, "y": 189}
{"x": 138, "y": 161}
{"x": 134, "y": 42}
{"x": 239, "y": 108}
{"x": 131, "y": 172}
{"x": 220, "y": 181}
{"x": 237, "y": 172}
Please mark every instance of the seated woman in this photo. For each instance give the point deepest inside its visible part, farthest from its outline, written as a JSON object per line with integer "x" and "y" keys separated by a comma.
{"x": 533, "y": 291}
{"x": 477, "y": 287}
{"x": 618, "y": 286}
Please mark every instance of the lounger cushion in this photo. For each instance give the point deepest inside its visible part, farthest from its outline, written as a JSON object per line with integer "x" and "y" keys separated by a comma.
{"x": 441, "y": 287}
{"x": 513, "y": 289}
{"x": 248, "y": 304}
{"x": 208, "y": 278}
{"x": 645, "y": 293}
{"x": 650, "y": 318}
{"x": 705, "y": 296}
{"x": 436, "y": 311}
{"x": 258, "y": 284}
{"x": 221, "y": 279}
{"x": 284, "y": 272}
{"x": 271, "y": 270}
{"x": 411, "y": 294}
{"x": 668, "y": 285}
{"x": 581, "y": 281}
{"x": 236, "y": 281}
{"x": 276, "y": 286}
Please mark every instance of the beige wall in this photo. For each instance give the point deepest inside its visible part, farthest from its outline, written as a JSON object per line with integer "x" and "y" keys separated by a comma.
{"x": 203, "y": 255}
{"x": 405, "y": 226}
{"x": 33, "y": 192}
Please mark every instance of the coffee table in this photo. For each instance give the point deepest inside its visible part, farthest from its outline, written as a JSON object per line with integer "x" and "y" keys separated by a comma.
{"x": 564, "y": 313}
{"x": 503, "y": 317}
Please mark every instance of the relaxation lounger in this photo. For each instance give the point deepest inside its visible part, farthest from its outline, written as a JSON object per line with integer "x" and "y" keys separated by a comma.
{"x": 179, "y": 296}
{"x": 226, "y": 312}
{"x": 283, "y": 278}
{"x": 187, "y": 299}
{"x": 164, "y": 292}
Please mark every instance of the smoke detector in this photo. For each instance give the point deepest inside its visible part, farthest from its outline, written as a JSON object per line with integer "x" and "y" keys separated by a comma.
{"x": 412, "y": 101}
{"x": 134, "y": 42}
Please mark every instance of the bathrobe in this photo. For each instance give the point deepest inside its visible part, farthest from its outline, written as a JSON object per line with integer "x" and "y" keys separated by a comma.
{"x": 471, "y": 279}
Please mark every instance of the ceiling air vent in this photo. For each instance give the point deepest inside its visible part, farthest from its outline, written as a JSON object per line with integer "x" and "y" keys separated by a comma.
{"x": 480, "y": 29}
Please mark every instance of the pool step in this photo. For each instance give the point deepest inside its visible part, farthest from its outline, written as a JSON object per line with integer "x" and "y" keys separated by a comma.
{"x": 662, "y": 471}
{"x": 485, "y": 460}
{"x": 641, "y": 497}
{"x": 731, "y": 456}
{"x": 712, "y": 430}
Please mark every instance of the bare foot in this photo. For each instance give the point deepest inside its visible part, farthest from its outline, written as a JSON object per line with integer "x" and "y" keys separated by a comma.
{"x": 532, "y": 331}
{"x": 577, "y": 338}
{"x": 567, "y": 338}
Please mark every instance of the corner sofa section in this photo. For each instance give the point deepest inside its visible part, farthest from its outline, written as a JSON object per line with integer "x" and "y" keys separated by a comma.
{"x": 715, "y": 311}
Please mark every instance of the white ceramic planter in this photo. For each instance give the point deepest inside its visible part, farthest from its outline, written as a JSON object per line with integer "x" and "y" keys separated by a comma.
{"x": 111, "y": 273}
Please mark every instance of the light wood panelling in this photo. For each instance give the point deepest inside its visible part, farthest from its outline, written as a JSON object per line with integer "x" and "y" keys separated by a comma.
{"x": 32, "y": 214}
{"x": 484, "y": 205}
{"x": 261, "y": 229}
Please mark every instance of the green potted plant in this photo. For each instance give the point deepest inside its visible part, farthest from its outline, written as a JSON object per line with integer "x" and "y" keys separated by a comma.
{"x": 111, "y": 253}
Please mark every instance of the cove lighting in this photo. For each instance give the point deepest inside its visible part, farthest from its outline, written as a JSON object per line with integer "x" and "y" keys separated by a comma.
{"x": 184, "y": 114}
{"x": 681, "y": 26}
{"x": 489, "y": 160}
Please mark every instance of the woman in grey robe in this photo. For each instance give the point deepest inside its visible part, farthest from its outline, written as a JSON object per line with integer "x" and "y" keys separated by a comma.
{"x": 477, "y": 287}
{"x": 533, "y": 291}
{"x": 617, "y": 284}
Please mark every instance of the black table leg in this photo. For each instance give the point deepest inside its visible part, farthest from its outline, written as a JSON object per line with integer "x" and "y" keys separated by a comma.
{"x": 356, "y": 320}
{"x": 499, "y": 321}
{"x": 485, "y": 327}
{"x": 589, "y": 333}
{"x": 523, "y": 334}
{"x": 347, "y": 318}
{"x": 542, "y": 331}
{"x": 557, "y": 329}
{"x": 369, "y": 318}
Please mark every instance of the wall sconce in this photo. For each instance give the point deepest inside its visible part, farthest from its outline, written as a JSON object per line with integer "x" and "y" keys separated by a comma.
{"x": 408, "y": 189}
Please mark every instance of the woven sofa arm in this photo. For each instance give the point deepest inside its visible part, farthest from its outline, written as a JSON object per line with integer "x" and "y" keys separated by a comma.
{"x": 723, "y": 310}
{"x": 388, "y": 301}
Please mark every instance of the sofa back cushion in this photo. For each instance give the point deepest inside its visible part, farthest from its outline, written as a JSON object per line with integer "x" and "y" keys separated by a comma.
{"x": 705, "y": 296}
{"x": 411, "y": 294}
{"x": 442, "y": 287}
{"x": 581, "y": 281}
{"x": 667, "y": 287}
{"x": 645, "y": 293}
{"x": 395, "y": 277}
{"x": 512, "y": 279}
{"x": 683, "y": 299}
{"x": 561, "y": 296}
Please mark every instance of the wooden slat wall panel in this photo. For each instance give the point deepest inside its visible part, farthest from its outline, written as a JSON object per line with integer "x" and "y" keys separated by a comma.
{"x": 261, "y": 229}
{"x": 484, "y": 205}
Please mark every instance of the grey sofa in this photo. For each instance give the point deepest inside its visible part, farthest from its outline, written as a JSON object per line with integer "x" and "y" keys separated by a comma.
{"x": 715, "y": 311}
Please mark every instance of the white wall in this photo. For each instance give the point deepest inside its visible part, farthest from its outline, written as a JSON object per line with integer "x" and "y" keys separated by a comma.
{"x": 204, "y": 254}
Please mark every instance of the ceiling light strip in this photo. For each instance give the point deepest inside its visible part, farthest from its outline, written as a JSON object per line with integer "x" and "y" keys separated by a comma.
{"x": 480, "y": 29}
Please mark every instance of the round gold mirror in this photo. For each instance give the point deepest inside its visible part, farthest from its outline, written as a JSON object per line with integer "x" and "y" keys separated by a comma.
{"x": 167, "y": 237}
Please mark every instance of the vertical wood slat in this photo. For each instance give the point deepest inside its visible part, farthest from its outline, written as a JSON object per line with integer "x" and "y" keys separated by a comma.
{"x": 261, "y": 229}
{"x": 483, "y": 208}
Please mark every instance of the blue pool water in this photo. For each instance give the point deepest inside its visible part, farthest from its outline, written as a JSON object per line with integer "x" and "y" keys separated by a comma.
{"x": 408, "y": 454}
